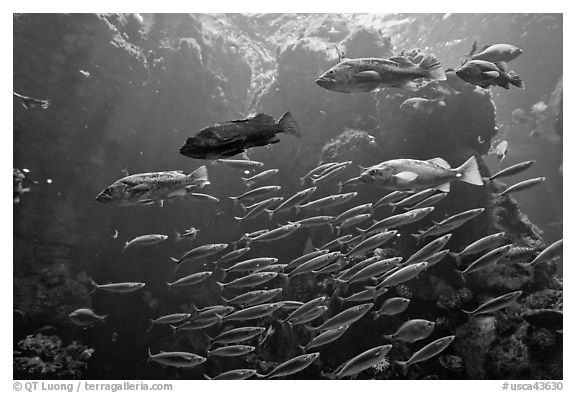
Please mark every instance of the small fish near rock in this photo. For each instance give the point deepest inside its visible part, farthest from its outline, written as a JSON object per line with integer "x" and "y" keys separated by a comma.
{"x": 228, "y": 139}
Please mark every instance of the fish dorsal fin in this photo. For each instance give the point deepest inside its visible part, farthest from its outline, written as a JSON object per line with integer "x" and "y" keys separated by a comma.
{"x": 405, "y": 177}
{"x": 440, "y": 162}
{"x": 401, "y": 60}
{"x": 491, "y": 74}
{"x": 262, "y": 118}
{"x": 367, "y": 76}
{"x": 341, "y": 55}
{"x": 484, "y": 48}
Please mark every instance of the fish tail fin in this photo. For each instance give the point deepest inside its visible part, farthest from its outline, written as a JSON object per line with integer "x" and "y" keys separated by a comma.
{"x": 260, "y": 375}
{"x": 151, "y": 325}
{"x": 394, "y": 206}
{"x": 207, "y": 377}
{"x": 238, "y": 219}
{"x": 404, "y": 366}
{"x": 177, "y": 235}
{"x": 289, "y": 125}
{"x": 456, "y": 257}
{"x": 270, "y": 213}
{"x": 469, "y": 172}
{"x": 302, "y": 348}
{"x": 461, "y": 275}
{"x": 199, "y": 177}
{"x": 93, "y": 283}
{"x": 149, "y": 355}
{"x": 389, "y": 337}
{"x": 220, "y": 286}
{"x": 418, "y": 237}
{"x": 210, "y": 339}
{"x": 311, "y": 329}
{"x": 176, "y": 264}
{"x": 432, "y": 68}
{"x": 174, "y": 329}
{"x": 339, "y": 185}
{"x": 515, "y": 80}
{"x": 375, "y": 315}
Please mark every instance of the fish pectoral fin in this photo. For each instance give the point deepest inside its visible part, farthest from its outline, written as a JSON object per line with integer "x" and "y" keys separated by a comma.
{"x": 491, "y": 74}
{"x": 502, "y": 65}
{"x": 444, "y": 187}
{"x": 440, "y": 162}
{"x": 178, "y": 193}
{"x": 140, "y": 187}
{"x": 273, "y": 139}
{"x": 405, "y": 177}
{"x": 367, "y": 76}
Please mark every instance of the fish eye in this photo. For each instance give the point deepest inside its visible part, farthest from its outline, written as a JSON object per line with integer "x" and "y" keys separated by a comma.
{"x": 373, "y": 172}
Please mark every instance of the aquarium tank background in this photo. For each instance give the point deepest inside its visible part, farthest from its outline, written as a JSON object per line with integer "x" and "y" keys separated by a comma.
{"x": 119, "y": 94}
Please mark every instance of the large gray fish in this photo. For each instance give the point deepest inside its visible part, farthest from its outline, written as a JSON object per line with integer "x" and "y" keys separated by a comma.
{"x": 293, "y": 202}
{"x": 427, "y": 352}
{"x": 486, "y": 260}
{"x": 495, "y": 304}
{"x": 176, "y": 359}
{"x": 253, "y": 312}
{"x": 148, "y": 188}
{"x": 482, "y": 244}
{"x": 363, "y": 361}
{"x": 498, "y": 53}
{"x": 234, "y": 137}
{"x": 523, "y": 185}
{"x": 85, "y": 317}
{"x": 447, "y": 225}
{"x": 368, "y": 74}
{"x": 346, "y": 317}
{"x": 234, "y": 375}
{"x": 291, "y": 366}
{"x": 485, "y": 74}
{"x": 416, "y": 175}
{"x": 324, "y": 338}
{"x": 412, "y": 331}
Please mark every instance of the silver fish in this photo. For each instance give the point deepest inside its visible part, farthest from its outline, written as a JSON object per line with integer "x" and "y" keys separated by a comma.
{"x": 277, "y": 233}
{"x": 254, "y": 312}
{"x": 412, "y": 331}
{"x": 236, "y": 335}
{"x": 256, "y": 193}
{"x": 394, "y": 196}
{"x": 303, "y": 309}
{"x": 495, "y": 304}
{"x": 293, "y": 202}
{"x": 427, "y": 352}
{"x": 259, "y": 177}
{"x": 200, "y": 252}
{"x": 169, "y": 319}
{"x": 192, "y": 279}
{"x": 251, "y": 265}
{"x": 85, "y": 317}
{"x": 551, "y": 252}
{"x": 363, "y": 361}
{"x": 314, "y": 221}
{"x": 346, "y": 317}
{"x": 448, "y": 225}
{"x": 121, "y": 287}
{"x": 306, "y": 257}
{"x": 203, "y": 197}
{"x": 482, "y": 244}
{"x": 409, "y": 217}
{"x": 231, "y": 350}
{"x": 254, "y": 297}
{"x": 512, "y": 170}
{"x": 413, "y": 199}
{"x": 319, "y": 169}
{"x": 430, "y": 201}
{"x": 486, "y": 260}
{"x": 240, "y": 164}
{"x": 392, "y": 306}
{"x": 236, "y": 375}
{"x": 371, "y": 243}
{"x": 292, "y": 366}
{"x": 355, "y": 211}
{"x": 325, "y": 338}
{"x": 248, "y": 281}
{"x": 315, "y": 263}
{"x": 428, "y": 250}
{"x": 404, "y": 274}
{"x": 145, "y": 240}
{"x": 329, "y": 201}
{"x": 176, "y": 359}
{"x": 523, "y": 185}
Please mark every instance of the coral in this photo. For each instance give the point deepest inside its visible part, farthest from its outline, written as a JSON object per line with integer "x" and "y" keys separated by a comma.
{"x": 45, "y": 357}
{"x": 18, "y": 177}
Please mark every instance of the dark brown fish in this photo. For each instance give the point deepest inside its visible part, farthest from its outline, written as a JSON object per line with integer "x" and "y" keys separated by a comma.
{"x": 234, "y": 137}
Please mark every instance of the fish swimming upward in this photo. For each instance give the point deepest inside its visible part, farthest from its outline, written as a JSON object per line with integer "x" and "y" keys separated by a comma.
{"x": 148, "y": 188}
{"x": 234, "y": 137}
{"x": 407, "y": 174}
